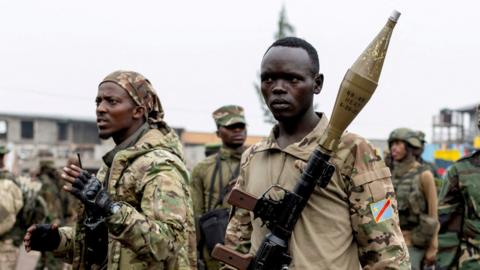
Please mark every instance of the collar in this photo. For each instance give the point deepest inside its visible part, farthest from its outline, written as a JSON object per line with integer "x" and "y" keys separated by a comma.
{"x": 130, "y": 141}
{"x": 402, "y": 167}
{"x": 301, "y": 149}
{"x": 227, "y": 153}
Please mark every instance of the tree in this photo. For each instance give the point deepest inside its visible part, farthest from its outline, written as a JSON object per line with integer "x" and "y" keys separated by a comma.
{"x": 285, "y": 29}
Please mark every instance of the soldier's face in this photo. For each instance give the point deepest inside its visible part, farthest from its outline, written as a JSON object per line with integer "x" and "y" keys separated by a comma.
{"x": 116, "y": 112}
{"x": 233, "y": 136}
{"x": 287, "y": 82}
{"x": 398, "y": 150}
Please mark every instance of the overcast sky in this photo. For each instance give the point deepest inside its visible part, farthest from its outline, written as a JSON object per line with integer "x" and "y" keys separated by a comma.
{"x": 200, "y": 55}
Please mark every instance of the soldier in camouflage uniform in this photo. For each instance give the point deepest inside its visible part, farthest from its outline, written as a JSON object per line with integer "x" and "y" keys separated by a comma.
{"x": 212, "y": 176}
{"x": 10, "y": 205}
{"x": 416, "y": 197}
{"x": 57, "y": 202}
{"x": 459, "y": 214}
{"x": 340, "y": 227}
{"x": 4, "y": 173}
{"x": 139, "y": 201}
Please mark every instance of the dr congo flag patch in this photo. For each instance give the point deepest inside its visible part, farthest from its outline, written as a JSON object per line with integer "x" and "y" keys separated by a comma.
{"x": 382, "y": 210}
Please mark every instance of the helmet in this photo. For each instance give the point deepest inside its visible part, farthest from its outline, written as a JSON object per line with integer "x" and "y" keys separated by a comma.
{"x": 407, "y": 135}
{"x": 421, "y": 136}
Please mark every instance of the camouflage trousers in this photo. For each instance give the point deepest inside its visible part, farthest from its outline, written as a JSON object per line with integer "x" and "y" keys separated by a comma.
{"x": 467, "y": 259}
{"x": 8, "y": 255}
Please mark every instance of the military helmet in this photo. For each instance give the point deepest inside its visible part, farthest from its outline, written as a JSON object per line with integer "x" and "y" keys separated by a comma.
{"x": 407, "y": 135}
{"x": 3, "y": 150}
{"x": 421, "y": 136}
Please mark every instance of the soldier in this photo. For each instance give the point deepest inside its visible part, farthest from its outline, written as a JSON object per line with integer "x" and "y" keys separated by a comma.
{"x": 416, "y": 197}
{"x": 212, "y": 176}
{"x": 337, "y": 229}
{"x": 10, "y": 204}
{"x": 459, "y": 214}
{"x": 4, "y": 172}
{"x": 137, "y": 210}
{"x": 56, "y": 202}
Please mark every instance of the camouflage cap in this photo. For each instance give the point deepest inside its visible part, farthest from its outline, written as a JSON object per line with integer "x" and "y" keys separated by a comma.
{"x": 229, "y": 115}
{"x": 3, "y": 150}
{"x": 141, "y": 91}
{"x": 407, "y": 135}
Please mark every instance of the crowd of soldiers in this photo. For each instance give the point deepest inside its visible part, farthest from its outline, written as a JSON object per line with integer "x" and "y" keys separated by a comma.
{"x": 144, "y": 210}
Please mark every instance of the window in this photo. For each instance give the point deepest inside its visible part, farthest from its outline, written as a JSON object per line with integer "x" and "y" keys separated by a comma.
{"x": 26, "y": 129}
{"x": 62, "y": 129}
{"x": 3, "y": 129}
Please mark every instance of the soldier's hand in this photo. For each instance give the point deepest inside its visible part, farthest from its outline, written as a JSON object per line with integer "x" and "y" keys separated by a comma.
{"x": 430, "y": 256}
{"x": 42, "y": 237}
{"x": 88, "y": 189}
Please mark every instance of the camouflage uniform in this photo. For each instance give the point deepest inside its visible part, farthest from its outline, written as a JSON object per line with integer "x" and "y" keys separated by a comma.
{"x": 10, "y": 205}
{"x": 57, "y": 203}
{"x": 416, "y": 207}
{"x": 222, "y": 174}
{"x": 459, "y": 214}
{"x": 337, "y": 229}
{"x": 153, "y": 229}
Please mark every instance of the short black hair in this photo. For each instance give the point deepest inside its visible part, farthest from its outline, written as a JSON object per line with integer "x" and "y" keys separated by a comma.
{"x": 295, "y": 42}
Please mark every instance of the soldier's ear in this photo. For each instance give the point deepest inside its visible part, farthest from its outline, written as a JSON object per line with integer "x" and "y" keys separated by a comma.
{"x": 138, "y": 112}
{"x": 318, "y": 83}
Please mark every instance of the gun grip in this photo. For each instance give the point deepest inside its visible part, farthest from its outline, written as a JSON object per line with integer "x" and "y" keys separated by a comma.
{"x": 231, "y": 257}
{"x": 242, "y": 199}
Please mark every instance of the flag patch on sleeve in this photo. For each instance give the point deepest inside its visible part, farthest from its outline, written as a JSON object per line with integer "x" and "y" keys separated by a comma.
{"x": 382, "y": 210}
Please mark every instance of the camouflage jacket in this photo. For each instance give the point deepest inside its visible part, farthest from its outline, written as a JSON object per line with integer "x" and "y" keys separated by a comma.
{"x": 10, "y": 205}
{"x": 154, "y": 227}
{"x": 459, "y": 214}
{"x": 337, "y": 229}
{"x": 202, "y": 179}
{"x": 53, "y": 196}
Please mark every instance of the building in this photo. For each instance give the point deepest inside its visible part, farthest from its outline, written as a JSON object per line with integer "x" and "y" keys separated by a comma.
{"x": 455, "y": 126}
{"x": 27, "y": 135}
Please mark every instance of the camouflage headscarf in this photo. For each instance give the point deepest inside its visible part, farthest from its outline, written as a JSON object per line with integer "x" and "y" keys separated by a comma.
{"x": 141, "y": 91}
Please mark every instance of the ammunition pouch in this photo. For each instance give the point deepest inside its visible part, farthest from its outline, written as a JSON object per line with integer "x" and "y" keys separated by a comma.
{"x": 423, "y": 233}
{"x": 213, "y": 225}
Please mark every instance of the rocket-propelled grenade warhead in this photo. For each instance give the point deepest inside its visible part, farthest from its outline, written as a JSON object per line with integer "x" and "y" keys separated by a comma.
{"x": 358, "y": 85}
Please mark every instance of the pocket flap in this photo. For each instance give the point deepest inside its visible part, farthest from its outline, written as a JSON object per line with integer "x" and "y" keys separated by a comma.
{"x": 370, "y": 176}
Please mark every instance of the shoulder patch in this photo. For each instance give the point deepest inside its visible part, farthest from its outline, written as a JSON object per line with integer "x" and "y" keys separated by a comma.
{"x": 382, "y": 210}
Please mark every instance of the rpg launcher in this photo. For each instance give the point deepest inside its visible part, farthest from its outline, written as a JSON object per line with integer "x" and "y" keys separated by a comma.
{"x": 280, "y": 216}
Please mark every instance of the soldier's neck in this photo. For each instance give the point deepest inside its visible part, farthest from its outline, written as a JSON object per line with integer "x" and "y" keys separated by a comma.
{"x": 294, "y": 130}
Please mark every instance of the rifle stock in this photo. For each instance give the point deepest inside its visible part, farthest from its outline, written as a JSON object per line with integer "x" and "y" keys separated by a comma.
{"x": 232, "y": 257}
{"x": 242, "y": 199}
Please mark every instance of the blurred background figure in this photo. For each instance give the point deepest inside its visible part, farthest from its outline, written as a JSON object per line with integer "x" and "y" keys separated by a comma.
{"x": 10, "y": 204}
{"x": 416, "y": 196}
{"x": 459, "y": 214}
{"x": 212, "y": 178}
